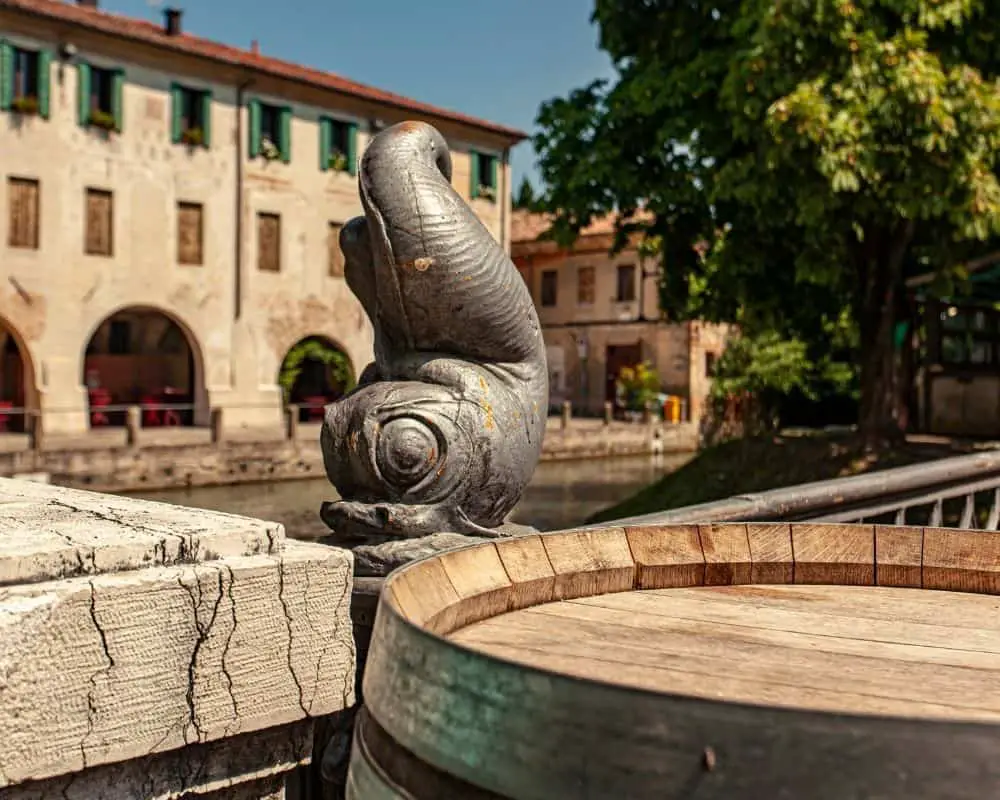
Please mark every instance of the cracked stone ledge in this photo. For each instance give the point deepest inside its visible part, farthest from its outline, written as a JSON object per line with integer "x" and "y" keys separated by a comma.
{"x": 106, "y": 668}
{"x": 49, "y": 532}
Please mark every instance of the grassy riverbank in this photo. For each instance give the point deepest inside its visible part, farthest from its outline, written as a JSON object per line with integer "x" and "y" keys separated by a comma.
{"x": 770, "y": 462}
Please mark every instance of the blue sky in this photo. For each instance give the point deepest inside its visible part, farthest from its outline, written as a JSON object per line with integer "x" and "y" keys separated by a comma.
{"x": 497, "y": 60}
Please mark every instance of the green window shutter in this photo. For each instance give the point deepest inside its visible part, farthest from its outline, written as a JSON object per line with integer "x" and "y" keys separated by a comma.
{"x": 352, "y": 148}
{"x": 6, "y": 75}
{"x": 473, "y": 174}
{"x": 44, "y": 77}
{"x": 83, "y": 92}
{"x": 286, "y": 134}
{"x": 254, "y": 125}
{"x": 206, "y": 118}
{"x": 117, "y": 106}
{"x": 493, "y": 174}
{"x": 325, "y": 134}
{"x": 176, "y": 104}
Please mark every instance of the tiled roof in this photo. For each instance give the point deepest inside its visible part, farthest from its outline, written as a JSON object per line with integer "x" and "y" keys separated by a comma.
{"x": 149, "y": 33}
{"x": 527, "y": 226}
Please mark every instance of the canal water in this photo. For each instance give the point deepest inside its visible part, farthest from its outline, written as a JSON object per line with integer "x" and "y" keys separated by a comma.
{"x": 561, "y": 495}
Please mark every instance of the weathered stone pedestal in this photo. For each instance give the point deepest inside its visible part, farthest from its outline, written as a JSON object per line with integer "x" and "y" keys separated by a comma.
{"x": 152, "y": 651}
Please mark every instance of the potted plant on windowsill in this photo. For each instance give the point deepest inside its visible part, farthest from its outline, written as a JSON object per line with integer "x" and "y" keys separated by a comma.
{"x": 487, "y": 193}
{"x": 193, "y": 137}
{"x": 103, "y": 120}
{"x": 269, "y": 150}
{"x": 337, "y": 161}
{"x": 25, "y": 104}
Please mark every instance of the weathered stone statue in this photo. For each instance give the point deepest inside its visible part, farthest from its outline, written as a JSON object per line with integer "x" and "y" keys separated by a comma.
{"x": 445, "y": 428}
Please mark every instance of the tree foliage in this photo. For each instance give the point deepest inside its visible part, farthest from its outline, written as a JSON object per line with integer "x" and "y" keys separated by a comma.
{"x": 822, "y": 152}
{"x": 638, "y": 386}
{"x": 525, "y": 198}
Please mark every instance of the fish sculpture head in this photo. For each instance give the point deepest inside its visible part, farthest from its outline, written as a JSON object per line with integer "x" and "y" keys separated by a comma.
{"x": 445, "y": 428}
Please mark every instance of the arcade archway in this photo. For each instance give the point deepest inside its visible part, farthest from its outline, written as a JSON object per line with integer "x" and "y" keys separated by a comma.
{"x": 147, "y": 358}
{"x": 314, "y": 372}
{"x": 17, "y": 383}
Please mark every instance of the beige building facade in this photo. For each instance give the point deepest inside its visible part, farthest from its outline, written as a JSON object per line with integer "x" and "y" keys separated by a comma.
{"x": 171, "y": 209}
{"x": 601, "y": 312}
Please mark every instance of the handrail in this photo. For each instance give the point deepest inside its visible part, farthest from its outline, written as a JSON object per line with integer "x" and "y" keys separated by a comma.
{"x": 852, "y": 498}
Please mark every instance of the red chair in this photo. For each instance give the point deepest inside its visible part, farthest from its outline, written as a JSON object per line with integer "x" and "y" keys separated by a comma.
{"x": 150, "y": 414}
{"x": 4, "y": 416}
{"x": 315, "y": 405}
{"x": 99, "y": 398}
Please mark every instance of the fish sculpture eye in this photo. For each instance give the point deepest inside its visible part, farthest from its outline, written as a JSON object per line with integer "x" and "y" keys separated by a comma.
{"x": 408, "y": 451}
{"x": 445, "y": 428}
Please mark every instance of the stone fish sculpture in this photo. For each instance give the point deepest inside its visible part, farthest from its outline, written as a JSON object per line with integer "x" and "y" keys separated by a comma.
{"x": 445, "y": 428}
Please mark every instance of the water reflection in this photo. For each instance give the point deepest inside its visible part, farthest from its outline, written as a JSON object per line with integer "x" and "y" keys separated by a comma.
{"x": 562, "y": 494}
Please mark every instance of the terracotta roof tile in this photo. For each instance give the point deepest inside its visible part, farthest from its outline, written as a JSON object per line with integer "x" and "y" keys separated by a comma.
{"x": 527, "y": 226}
{"x": 149, "y": 33}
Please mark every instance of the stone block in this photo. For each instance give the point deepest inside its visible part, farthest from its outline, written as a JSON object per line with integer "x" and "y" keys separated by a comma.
{"x": 130, "y": 629}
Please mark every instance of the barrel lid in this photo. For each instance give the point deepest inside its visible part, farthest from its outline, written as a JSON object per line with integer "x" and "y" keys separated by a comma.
{"x": 521, "y": 729}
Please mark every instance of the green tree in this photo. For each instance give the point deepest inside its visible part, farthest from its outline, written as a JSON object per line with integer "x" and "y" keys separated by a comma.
{"x": 822, "y": 151}
{"x": 525, "y": 197}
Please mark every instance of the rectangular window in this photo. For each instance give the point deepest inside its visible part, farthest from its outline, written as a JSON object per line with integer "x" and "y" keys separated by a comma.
{"x": 969, "y": 337}
{"x": 24, "y": 80}
{"x": 190, "y": 234}
{"x": 99, "y": 239}
{"x": 22, "y": 203}
{"x": 626, "y": 283}
{"x": 270, "y": 131}
{"x": 550, "y": 287}
{"x": 585, "y": 277}
{"x": 338, "y": 149}
{"x": 191, "y": 116}
{"x": 269, "y": 242}
{"x": 710, "y": 361}
{"x": 335, "y": 254}
{"x": 483, "y": 168}
{"x": 101, "y": 97}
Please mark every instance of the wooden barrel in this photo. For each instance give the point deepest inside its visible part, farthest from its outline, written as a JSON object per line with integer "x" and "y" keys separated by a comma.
{"x": 691, "y": 661}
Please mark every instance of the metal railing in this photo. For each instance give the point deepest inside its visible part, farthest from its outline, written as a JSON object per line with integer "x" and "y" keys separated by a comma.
{"x": 962, "y": 491}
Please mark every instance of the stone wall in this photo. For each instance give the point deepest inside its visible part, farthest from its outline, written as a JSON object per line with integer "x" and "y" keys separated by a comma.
{"x": 182, "y": 458}
{"x": 148, "y": 650}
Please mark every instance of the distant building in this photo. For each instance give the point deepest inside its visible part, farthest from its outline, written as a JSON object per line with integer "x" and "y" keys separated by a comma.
{"x": 950, "y": 354}
{"x": 170, "y": 211}
{"x": 600, "y": 313}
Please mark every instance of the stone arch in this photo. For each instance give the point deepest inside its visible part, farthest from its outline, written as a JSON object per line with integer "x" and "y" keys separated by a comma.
{"x": 144, "y": 355}
{"x": 313, "y": 372}
{"x": 18, "y": 387}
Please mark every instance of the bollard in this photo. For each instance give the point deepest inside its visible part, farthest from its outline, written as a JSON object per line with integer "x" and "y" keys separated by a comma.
{"x": 647, "y": 413}
{"x": 215, "y": 425}
{"x": 609, "y": 413}
{"x": 37, "y": 435}
{"x": 133, "y": 424}
{"x": 293, "y": 421}
{"x": 567, "y": 413}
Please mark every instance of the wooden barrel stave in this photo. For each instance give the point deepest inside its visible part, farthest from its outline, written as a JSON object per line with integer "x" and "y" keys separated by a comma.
{"x": 523, "y": 732}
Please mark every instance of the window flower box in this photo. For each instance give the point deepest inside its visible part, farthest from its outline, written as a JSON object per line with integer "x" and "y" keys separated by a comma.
{"x": 338, "y": 161}
{"x": 192, "y": 137}
{"x": 486, "y": 192}
{"x": 103, "y": 120}
{"x": 25, "y": 105}
{"x": 269, "y": 150}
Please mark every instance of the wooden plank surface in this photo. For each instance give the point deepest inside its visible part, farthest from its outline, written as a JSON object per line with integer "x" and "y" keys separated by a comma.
{"x": 853, "y": 649}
